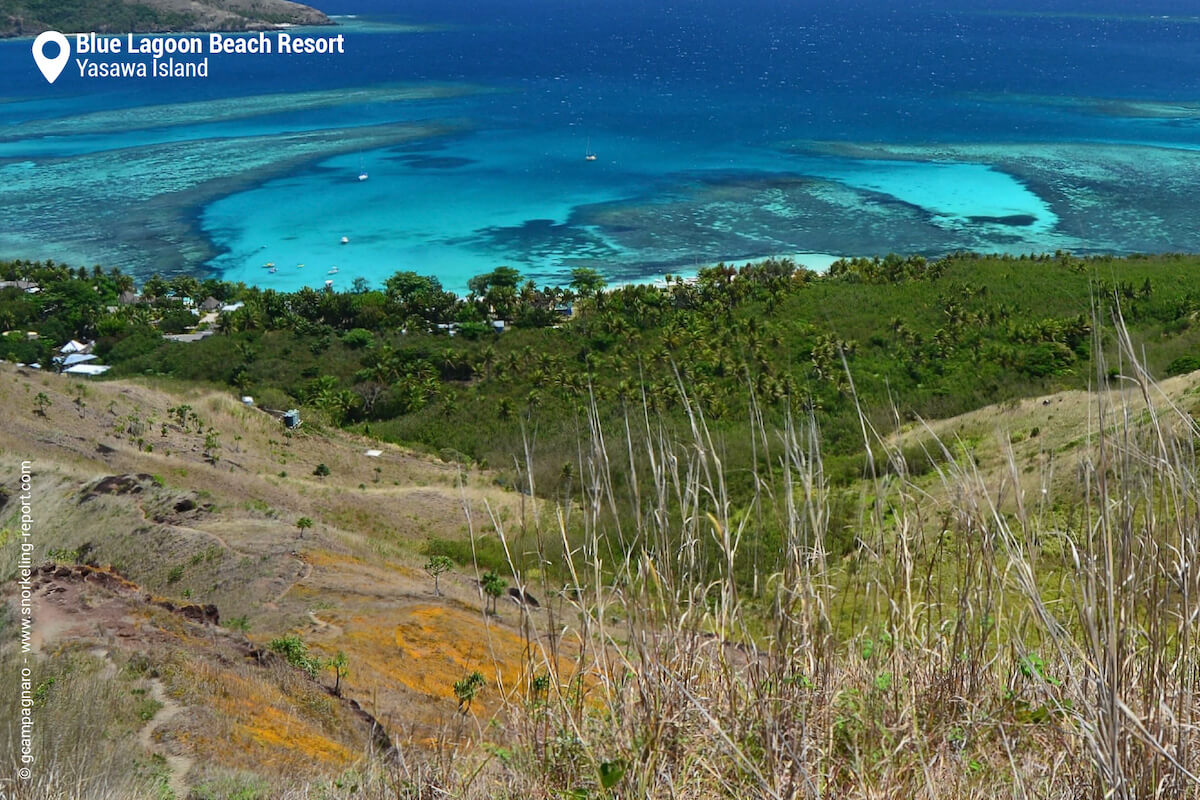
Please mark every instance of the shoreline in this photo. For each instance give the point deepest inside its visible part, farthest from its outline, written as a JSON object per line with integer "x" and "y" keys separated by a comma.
{"x": 167, "y": 225}
{"x": 266, "y": 27}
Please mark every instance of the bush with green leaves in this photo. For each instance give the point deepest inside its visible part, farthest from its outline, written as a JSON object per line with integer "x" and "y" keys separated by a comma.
{"x": 295, "y": 652}
{"x": 467, "y": 688}
{"x": 493, "y": 588}
{"x": 435, "y": 566}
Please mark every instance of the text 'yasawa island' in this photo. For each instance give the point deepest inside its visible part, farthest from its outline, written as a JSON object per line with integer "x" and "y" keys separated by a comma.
{"x": 163, "y": 49}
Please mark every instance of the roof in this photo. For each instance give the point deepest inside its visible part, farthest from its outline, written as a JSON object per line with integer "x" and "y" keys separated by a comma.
{"x": 23, "y": 285}
{"x": 188, "y": 337}
{"x": 211, "y": 304}
{"x": 75, "y": 347}
{"x": 87, "y": 369}
{"x": 227, "y": 309}
{"x": 78, "y": 358}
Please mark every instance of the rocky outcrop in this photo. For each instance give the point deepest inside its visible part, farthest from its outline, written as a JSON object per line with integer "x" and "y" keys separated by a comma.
{"x": 102, "y": 576}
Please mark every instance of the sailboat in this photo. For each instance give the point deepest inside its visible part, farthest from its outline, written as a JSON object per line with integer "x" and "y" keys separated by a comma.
{"x": 362, "y": 173}
{"x": 588, "y": 155}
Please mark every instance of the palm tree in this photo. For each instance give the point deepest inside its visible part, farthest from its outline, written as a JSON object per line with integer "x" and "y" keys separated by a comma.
{"x": 488, "y": 360}
{"x": 303, "y": 524}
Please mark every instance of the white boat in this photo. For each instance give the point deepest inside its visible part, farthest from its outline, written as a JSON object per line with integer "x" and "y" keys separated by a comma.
{"x": 345, "y": 240}
{"x": 333, "y": 270}
{"x": 362, "y": 176}
{"x": 271, "y": 270}
{"x": 588, "y": 155}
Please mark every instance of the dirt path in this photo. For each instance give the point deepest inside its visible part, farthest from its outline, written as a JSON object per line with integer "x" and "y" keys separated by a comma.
{"x": 325, "y": 627}
{"x": 216, "y": 538}
{"x": 308, "y": 570}
{"x": 177, "y": 765}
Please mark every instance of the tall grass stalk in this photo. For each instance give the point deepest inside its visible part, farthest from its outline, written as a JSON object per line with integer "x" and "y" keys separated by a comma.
{"x": 1002, "y": 644}
{"x": 698, "y": 641}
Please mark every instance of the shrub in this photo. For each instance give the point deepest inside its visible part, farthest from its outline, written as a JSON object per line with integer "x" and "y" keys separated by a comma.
{"x": 1183, "y": 365}
{"x": 489, "y": 553}
{"x": 358, "y": 338}
{"x": 295, "y": 652}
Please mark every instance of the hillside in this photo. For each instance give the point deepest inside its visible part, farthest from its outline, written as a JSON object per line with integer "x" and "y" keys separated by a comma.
{"x": 908, "y": 529}
{"x": 30, "y": 17}
{"x": 121, "y": 484}
{"x": 169, "y": 515}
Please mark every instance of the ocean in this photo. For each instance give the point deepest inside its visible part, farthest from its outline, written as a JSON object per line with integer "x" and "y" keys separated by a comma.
{"x": 721, "y": 131}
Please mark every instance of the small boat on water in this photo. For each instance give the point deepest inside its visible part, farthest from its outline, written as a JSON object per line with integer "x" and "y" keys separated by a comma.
{"x": 362, "y": 176}
{"x": 345, "y": 240}
{"x": 299, "y": 266}
{"x": 333, "y": 270}
{"x": 269, "y": 265}
{"x": 271, "y": 270}
{"x": 588, "y": 155}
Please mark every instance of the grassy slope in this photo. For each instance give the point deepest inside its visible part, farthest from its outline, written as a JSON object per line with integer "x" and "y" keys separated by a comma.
{"x": 952, "y": 576}
{"x": 514, "y": 383}
{"x": 353, "y": 583}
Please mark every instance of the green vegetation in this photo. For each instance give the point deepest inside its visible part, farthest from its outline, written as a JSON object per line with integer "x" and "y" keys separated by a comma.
{"x": 921, "y": 339}
{"x": 340, "y": 666}
{"x": 303, "y": 524}
{"x": 295, "y": 652}
{"x": 25, "y": 17}
{"x": 493, "y": 588}
{"x": 467, "y": 689}
{"x": 753, "y": 559}
{"x": 944, "y": 337}
{"x": 435, "y": 566}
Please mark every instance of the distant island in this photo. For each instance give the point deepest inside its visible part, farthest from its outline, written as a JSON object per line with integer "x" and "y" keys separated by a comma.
{"x": 31, "y": 17}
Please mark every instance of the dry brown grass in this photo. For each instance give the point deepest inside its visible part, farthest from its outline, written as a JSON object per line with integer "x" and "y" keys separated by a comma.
{"x": 1000, "y": 645}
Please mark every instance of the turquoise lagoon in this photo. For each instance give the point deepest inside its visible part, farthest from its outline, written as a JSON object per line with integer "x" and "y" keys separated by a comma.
{"x": 722, "y": 131}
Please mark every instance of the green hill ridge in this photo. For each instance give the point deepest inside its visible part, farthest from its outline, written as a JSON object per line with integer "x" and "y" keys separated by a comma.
{"x": 31, "y": 17}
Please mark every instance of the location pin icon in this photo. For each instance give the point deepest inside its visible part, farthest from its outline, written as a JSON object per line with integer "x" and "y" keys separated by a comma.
{"x": 51, "y": 67}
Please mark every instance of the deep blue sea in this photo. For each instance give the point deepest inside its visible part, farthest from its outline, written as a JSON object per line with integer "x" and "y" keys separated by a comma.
{"x": 722, "y": 131}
